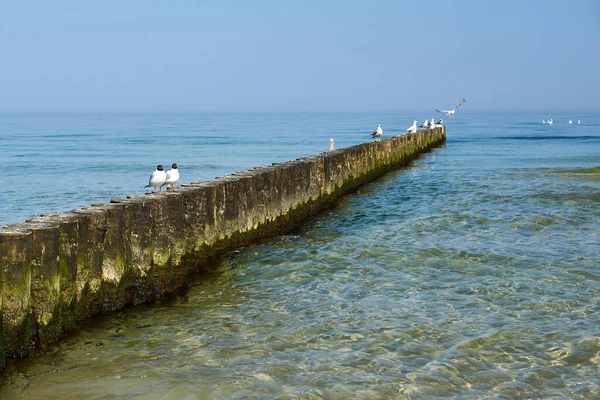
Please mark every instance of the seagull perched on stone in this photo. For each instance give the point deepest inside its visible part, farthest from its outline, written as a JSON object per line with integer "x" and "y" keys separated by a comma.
{"x": 172, "y": 177}
{"x": 412, "y": 128}
{"x": 377, "y": 132}
{"x": 157, "y": 179}
{"x": 451, "y": 112}
{"x": 440, "y": 122}
{"x": 424, "y": 124}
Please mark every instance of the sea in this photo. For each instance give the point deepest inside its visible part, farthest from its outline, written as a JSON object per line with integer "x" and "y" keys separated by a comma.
{"x": 473, "y": 273}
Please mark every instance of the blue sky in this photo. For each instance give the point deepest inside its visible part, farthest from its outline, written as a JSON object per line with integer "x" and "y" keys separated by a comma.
{"x": 204, "y": 56}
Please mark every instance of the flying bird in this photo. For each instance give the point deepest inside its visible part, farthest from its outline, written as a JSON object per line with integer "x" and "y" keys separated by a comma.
{"x": 157, "y": 179}
{"x": 172, "y": 177}
{"x": 377, "y": 132}
{"x": 451, "y": 112}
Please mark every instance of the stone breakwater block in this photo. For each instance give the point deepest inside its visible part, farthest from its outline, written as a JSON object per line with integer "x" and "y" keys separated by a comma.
{"x": 64, "y": 315}
{"x": 90, "y": 261}
{"x": 15, "y": 267}
{"x": 45, "y": 278}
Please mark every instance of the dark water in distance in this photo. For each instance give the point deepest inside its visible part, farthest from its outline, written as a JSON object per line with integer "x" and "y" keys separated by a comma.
{"x": 474, "y": 273}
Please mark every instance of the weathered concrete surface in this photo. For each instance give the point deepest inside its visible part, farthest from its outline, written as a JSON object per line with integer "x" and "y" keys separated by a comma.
{"x": 59, "y": 269}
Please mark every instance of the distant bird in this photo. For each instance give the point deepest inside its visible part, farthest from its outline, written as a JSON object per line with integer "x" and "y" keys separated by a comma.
{"x": 331, "y": 146}
{"x": 451, "y": 112}
{"x": 172, "y": 177}
{"x": 578, "y": 121}
{"x": 412, "y": 128}
{"x": 440, "y": 122}
{"x": 549, "y": 121}
{"x": 543, "y": 121}
{"x": 157, "y": 179}
{"x": 377, "y": 132}
{"x": 424, "y": 124}
{"x": 570, "y": 121}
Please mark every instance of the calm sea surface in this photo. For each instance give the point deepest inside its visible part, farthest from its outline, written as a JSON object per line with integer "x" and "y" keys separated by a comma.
{"x": 473, "y": 273}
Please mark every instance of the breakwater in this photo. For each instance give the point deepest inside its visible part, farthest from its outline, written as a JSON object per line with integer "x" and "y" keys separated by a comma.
{"x": 59, "y": 269}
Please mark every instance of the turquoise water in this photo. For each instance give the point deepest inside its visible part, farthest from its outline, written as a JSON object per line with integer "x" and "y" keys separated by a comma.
{"x": 473, "y": 273}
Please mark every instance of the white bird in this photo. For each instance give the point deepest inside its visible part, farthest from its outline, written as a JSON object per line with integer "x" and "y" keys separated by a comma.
{"x": 570, "y": 121}
{"x": 543, "y": 121}
{"x": 331, "y": 145}
{"x": 578, "y": 121}
{"x": 377, "y": 132}
{"x": 172, "y": 177}
{"x": 412, "y": 128}
{"x": 549, "y": 121}
{"x": 432, "y": 123}
{"x": 424, "y": 124}
{"x": 451, "y": 112}
{"x": 439, "y": 123}
{"x": 157, "y": 179}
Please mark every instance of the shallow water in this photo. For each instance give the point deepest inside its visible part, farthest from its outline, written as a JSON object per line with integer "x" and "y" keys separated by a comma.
{"x": 474, "y": 273}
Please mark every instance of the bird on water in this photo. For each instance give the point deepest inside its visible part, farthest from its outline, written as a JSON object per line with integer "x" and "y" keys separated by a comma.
{"x": 157, "y": 179}
{"x": 172, "y": 177}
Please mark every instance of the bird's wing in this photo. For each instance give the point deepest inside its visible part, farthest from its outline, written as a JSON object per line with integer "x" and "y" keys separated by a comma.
{"x": 168, "y": 176}
{"x": 444, "y": 111}
{"x": 459, "y": 104}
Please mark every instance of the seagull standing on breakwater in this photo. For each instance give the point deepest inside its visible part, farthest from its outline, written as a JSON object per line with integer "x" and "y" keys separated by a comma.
{"x": 424, "y": 124}
{"x": 172, "y": 177}
{"x": 439, "y": 123}
{"x": 377, "y": 132}
{"x": 157, "y": 179}
{"x": 412, "y": 128}
{"x": 451, "y": 112}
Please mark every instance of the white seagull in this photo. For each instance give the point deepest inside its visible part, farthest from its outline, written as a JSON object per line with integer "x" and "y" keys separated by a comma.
{"x": 439, "y": 123}
{"x": 377, "y": 132}
{"x": 424, "y": 124}
{"x": 543, "y": 121}
{"x": 172, "y": 177}
{"x": 157, "y": 179}
{"x": 578, "y": 121}
{"x": 432, "y": 123}
{"x": 412, "y": 128}
{"x": 451, "y": 112}
{"x": 549, "y": 121}
{"x": 570, "y": 121}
